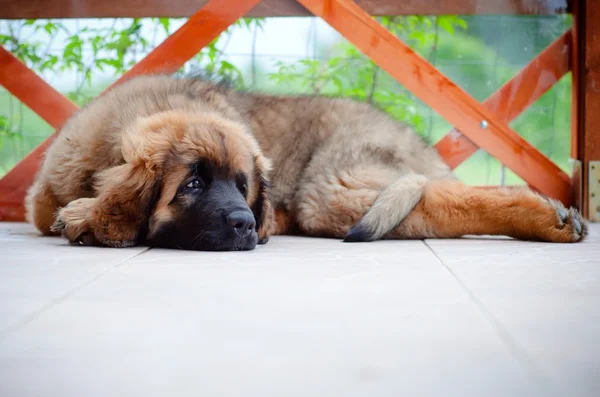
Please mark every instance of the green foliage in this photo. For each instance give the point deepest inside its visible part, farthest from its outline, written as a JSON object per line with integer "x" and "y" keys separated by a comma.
{"x": 475, "y": 55}
{"x": 111, "y": 49}
{"x": 7, "y": 130}
{"x": 209, "y": 62}
{"x": 349, "y": 73}
{"x": 114, "y": 49}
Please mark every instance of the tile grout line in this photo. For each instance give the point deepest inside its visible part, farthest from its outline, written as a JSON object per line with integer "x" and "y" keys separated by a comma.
{"x": 513, "y": 346}
{"x": 27, "y": 319}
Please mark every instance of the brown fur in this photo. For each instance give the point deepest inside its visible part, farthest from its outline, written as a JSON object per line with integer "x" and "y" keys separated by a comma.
{"x": 338, "y": 169}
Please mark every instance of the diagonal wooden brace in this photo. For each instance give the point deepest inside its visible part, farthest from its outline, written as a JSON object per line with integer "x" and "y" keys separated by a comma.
{"x": 476, "y": 122}
{"x": 50, "y": 105}
{"x": 533, "y": 81}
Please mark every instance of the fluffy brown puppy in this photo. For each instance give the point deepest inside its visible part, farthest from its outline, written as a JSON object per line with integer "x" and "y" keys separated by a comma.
{"x": 184, "y": 163}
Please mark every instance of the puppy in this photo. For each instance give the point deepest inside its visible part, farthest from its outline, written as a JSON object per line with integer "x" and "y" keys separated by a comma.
{"x": 184, "y": 163}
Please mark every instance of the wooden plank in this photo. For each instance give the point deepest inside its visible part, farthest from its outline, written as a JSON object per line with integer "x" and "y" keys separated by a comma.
{"x": 33, "y": 91}
{"x": 587, "y": 23}
{"x": 514, "y": 97}
{"x": 575, "y": 89}
{"x": 577, "y": 166}
{"x": 169, "y": 56}
{"x": 450, "y": 101}
{"x": 32, "y": 9}
{"x": 50, "y": 105}
{"x": 14, "y": 185}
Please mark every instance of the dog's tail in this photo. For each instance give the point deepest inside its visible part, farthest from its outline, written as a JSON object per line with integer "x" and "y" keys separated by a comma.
{"x": 392, "y": 205}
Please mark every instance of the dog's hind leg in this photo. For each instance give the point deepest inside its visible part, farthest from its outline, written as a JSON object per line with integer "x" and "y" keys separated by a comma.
{"x": 391, "y": 206}
{"x": 330, "y": 205}
{"x": 358, "y": 208}
{"x": 335, "y": 213}
{"x": 450, "y": 209}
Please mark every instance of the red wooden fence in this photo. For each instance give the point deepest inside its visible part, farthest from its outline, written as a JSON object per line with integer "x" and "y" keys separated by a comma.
{"x": 481, "y": 125}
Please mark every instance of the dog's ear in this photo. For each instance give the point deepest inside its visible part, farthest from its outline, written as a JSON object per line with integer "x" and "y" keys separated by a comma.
{"x": 149, "y": 140}
{"x": 262, "y": 209}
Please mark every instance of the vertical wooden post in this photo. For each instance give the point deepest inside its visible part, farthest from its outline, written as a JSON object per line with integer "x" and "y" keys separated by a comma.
{"x": 586, "y": 89}
{"x": 577, "y": 171}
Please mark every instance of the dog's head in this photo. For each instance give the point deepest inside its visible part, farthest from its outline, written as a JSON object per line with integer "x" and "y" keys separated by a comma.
{"x": 204, "y": 181}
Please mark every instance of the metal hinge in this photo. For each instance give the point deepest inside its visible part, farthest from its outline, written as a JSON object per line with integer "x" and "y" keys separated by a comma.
{"x": 594, "y": 191}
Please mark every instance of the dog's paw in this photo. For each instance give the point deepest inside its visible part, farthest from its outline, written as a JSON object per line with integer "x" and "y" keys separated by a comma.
{"x": 568, "y": 225}
{"x": 119, "y": 243}
{"x": 71, "y": 221}
{"x": 59, "y": 225}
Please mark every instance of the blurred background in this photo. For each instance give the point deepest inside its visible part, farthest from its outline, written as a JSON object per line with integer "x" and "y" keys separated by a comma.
{"x": 81, "y": 57}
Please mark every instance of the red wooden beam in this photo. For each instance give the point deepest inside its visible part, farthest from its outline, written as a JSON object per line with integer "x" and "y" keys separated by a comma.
{"x": 533, "y": 81}
{"x": 479, "y": 124}
{"x": 50, "y": 105}
{"x": 34, "y": 92}
{"x": 577, "y": 51}
{"x": 199, "y": 30}
{"x": 42, "y": 9}
{"x": 577, "y": 110}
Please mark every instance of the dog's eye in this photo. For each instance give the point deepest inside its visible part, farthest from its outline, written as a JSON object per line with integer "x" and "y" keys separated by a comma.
{"x": 242, "y": 183}
{"x": 194, "y": 184}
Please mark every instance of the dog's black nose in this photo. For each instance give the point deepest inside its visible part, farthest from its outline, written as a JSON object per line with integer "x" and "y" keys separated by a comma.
{"x": 242, "y": 222}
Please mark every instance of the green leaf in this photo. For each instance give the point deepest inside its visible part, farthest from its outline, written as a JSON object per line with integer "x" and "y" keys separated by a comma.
{"x": 166, "y": 23}
{"x": 418, "y": 36}
{"x": 339, "y": 84}
{"x": 446, "y": 24}
{"x": 461, "y": 22}
{"x": 50, "y": 28}
{"x": 49, "y": 63}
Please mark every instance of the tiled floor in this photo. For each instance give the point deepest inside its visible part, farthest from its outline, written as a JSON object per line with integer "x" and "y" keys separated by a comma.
{"x": 300, "y": 317}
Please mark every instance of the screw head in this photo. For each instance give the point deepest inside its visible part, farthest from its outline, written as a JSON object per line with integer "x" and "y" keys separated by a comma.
{"x": 483, "y": 124}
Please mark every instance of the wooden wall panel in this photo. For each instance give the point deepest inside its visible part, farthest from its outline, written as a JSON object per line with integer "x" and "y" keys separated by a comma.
{"x": 13, "y": 9}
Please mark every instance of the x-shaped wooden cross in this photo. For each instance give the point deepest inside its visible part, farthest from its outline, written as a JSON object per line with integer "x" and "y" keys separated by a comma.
{"x": 481, "y": 125}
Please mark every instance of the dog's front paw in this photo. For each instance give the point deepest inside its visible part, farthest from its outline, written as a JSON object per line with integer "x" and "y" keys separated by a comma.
{"x": 119, "y": 243}
{"x": 72, "y": 224}
{"x": 59, "y": 224}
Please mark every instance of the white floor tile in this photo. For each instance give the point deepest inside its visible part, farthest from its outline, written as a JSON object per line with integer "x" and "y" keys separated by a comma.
{"x": 546, "y": 296}
{"x": 35, "y": 271}
{"x": 296, "y": 317}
